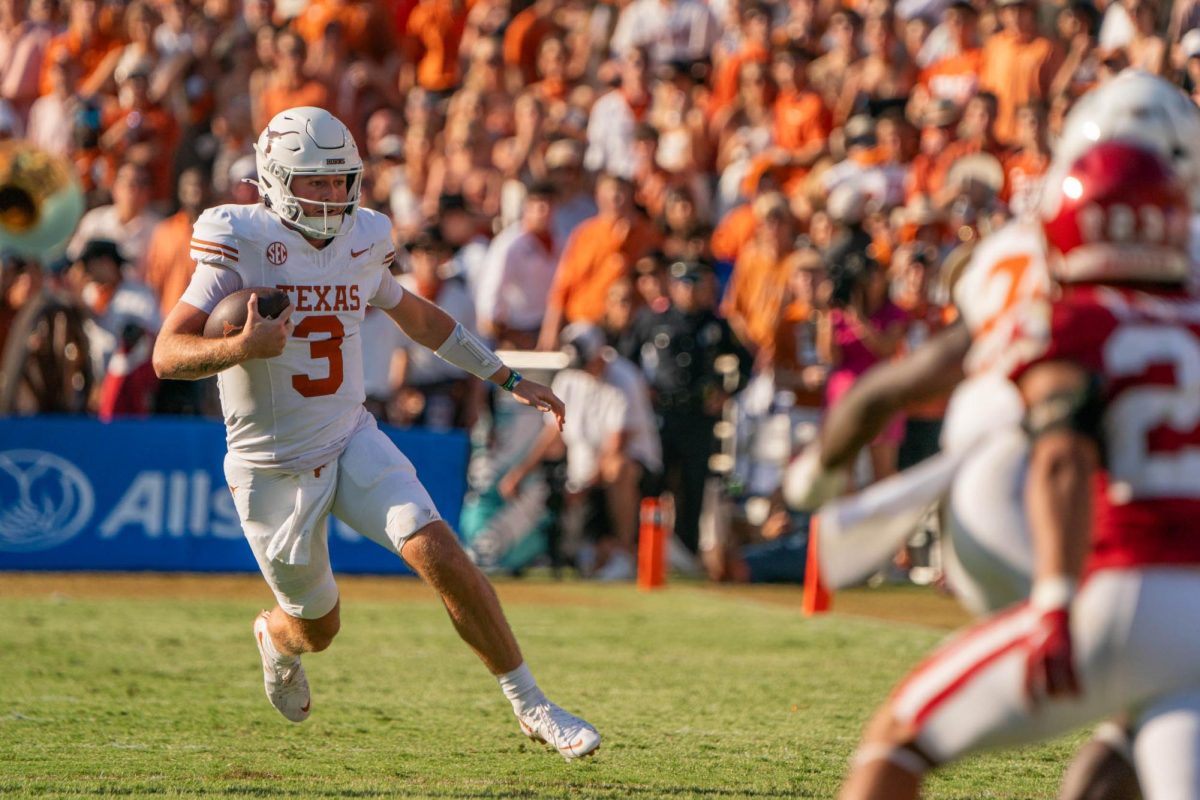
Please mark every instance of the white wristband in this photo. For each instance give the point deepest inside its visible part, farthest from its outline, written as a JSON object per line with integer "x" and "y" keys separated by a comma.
{"x": 1052, "y": 593}
{"x": 464, "y": 350}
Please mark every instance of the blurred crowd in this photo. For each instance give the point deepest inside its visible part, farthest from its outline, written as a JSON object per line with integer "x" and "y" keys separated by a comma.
{"x": 714, "y": 198}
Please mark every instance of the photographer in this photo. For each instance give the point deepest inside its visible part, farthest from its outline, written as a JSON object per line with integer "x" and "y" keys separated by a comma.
{"x": 862, "y": 328}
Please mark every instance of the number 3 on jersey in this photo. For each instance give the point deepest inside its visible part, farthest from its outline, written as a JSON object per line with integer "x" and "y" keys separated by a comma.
{"x": 1137, "y": 414}
{"x": 329, "y": 348}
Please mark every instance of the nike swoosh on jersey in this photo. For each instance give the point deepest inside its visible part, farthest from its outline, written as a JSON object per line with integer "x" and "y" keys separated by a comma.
{"x": 357, "y": 253}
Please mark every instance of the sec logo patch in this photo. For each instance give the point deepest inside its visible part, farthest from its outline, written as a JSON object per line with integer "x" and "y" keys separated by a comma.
{"x": 276, "y": 253}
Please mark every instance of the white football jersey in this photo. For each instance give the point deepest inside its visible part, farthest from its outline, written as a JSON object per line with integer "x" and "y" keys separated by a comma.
{"x": 1005, "y": 281}
{"x": 297, "y": 410}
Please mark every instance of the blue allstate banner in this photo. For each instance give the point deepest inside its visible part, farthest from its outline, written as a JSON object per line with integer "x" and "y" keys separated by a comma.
{"x": 77, "y": 494}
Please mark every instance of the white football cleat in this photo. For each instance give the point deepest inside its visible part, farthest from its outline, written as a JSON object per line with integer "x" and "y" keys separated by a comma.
{"x": 286, "y": 686}
{"x": 571, "y": 736}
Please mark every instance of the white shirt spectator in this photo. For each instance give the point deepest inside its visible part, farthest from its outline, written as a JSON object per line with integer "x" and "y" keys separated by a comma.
{"x": 51, "y": 126}
{"x": 132, "y": 303}
{"x": 516, "y": 279}
{"x": 610, "y": 136}
{"x": 424, "y": 368}
{"x": 674, "y": 30}
{"x": 601, "y": 409}
{"x": 132, "y": 237}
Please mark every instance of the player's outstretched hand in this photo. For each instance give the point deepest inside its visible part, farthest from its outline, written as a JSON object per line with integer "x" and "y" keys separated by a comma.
{"x": 262, "y": 337}
{"x": 532, "y": 393}
{"x": 1049, "y": 662}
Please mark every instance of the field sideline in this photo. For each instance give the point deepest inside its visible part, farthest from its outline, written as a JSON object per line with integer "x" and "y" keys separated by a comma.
{"x": 149, "y": 686}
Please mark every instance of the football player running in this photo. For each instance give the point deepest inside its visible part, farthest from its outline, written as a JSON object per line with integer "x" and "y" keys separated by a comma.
{"x": 980, "y": 474}
{"x": 1109, "y": 376}
{"x": 301, "y": 445}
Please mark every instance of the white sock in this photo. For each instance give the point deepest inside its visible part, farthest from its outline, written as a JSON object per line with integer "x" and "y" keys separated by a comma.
{"x": 521, "y": 689}
{"x": 273, "y": 651}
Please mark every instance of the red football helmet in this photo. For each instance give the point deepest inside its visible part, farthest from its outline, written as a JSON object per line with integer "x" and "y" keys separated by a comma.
{"x": 1118, "y": 214}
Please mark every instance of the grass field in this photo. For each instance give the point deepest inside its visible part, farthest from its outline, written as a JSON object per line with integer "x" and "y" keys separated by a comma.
{"x": 151, "y": 686}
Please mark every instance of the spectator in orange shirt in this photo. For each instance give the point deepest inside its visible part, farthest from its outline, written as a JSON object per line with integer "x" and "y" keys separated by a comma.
{"x": 736, "y": 229}
{"x": 289, "y": 85}
{"x": 978, "y": 135}
{"x": 802, "y": 120}
{"x": 168, "y": 270}
{"x": 435, "y": 29}
{"x": 1019, "y": 64}
{"x": 754, "y": 300}
{"x": 85, "y": 43}
{"x": 600, "y": 252}
{"x": 140, "y": 130}
{"x": 523, "y": 40}
{"x": 955, "y": 76}
{"x": 793, "y": 351}
{"x": 1025, "y": 166}
{"x": 755, "y": 46}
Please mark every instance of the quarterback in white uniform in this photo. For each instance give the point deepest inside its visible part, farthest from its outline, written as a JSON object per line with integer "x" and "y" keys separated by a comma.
{"x": 300, "y": 443}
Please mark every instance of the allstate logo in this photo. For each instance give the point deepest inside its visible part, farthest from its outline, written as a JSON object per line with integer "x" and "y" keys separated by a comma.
{"x": 44, "y": 500}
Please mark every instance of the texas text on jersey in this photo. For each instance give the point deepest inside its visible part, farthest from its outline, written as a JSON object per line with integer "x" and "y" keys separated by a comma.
{"x": 298, "y": 410}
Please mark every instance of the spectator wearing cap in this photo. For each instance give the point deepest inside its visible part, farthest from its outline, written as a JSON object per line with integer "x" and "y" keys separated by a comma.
{"x": 510, "y": 300}
{"x": 128, "y": 221}
{"x": 435, "y": 394}
{"x": 755, "y": 296}
{"x": 83, "y": 43}
{"x": 679, "y": 350}
{"x": 243, "y": 182}
{"x": 26, "y": 28}
{"x": 611, "y": 124}
{"x": 955, "y": 75}
{"x": 1019, "y": 64}
{"x": 573, "y": 202}
{"x": 939, "y": 126}
{"x": 601, "y": 251}
{"x": 612, "y": 448}
{"x": 669, "y": 30}
{"x": 116, "y": 303}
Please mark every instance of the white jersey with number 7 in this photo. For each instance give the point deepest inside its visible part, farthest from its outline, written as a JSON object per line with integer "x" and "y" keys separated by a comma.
{"x": 295, "y": 411}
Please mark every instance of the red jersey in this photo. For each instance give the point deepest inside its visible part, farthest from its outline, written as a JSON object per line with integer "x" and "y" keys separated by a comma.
{"x": 1145, "y": 349}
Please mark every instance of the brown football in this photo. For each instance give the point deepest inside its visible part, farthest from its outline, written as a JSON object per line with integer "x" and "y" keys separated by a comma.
{"x": 229, "y": 316}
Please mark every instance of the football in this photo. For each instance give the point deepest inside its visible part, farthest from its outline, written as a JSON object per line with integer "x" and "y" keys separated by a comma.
{"x": 229, "y": 316}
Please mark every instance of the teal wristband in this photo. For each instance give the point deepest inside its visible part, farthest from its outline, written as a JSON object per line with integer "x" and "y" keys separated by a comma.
{"x": 514, "y": 378}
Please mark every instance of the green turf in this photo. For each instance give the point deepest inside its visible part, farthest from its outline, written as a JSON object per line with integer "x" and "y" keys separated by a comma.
{"x": 697, "y": 695}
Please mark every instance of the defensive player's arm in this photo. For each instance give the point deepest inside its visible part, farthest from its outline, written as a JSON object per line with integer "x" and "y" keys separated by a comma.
{"x": 430, "y": 326}
{"x": 1063, "y": 419}
{"x": 182, "y": 353}
{"x": 931, "y": 371}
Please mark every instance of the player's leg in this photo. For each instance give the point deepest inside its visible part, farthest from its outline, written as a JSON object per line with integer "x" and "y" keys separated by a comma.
{"x": 1167, "y": 747}
{"x": 270, "y": 504}
{"x": 1102, "y": 768}
{"x": 379, "y": 496}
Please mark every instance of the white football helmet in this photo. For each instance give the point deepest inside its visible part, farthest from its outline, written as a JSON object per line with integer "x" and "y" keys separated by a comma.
{"x": 1138, "y": 108}
{"x": 308, "y": 141}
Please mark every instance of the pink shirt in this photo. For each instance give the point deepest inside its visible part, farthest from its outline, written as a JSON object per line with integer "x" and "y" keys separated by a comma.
{"x": 856, "y": 356}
